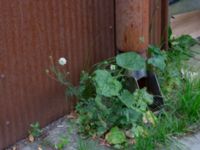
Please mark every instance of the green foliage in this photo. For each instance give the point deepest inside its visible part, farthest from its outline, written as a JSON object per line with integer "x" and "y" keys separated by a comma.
{"x": 105, "y": 84}
{"x": 137, "y": 101}
{"x": 158, "y": 58}
{"x": 186, "y": 41}
{"x": 89, "y": 145}
{"x": 131, "y": 61}
{"x": 115, "y": 136}
{"x": 106, "y": 102}
{"x": 182, "y": 103}
{"x": 189, "y": 102}
{"x": 35, "y": 130}
{"x": 110, "y": 105}
{"x": 108, "y": 109}
{"x": 170, "y": 78}
{"x": 63, "y": 141}
{"x": 179, "y": 114}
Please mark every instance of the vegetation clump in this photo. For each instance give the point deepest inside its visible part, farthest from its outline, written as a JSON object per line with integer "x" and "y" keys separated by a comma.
{"x": 108, "y": 108}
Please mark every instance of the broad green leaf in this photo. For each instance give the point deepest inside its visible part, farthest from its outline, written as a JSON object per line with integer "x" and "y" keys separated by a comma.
{"x": 127, "y": 98}
{"x": 132, "y": 115}
{"x": 115, "y": 136}
{"x": 106, "y": 85}
{"x": 138, "y": 101}
{"x": 157, "y": 61}
{"x": 131, "y": 61}
{"x": 142, "y": 99}
{"x": 142, "y": 95}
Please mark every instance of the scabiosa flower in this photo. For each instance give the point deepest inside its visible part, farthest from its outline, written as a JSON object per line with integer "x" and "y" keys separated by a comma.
{"x": 62, "y": 61}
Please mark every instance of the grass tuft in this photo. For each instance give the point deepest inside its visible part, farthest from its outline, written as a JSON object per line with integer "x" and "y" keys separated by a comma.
{"x": 179, "y": 114}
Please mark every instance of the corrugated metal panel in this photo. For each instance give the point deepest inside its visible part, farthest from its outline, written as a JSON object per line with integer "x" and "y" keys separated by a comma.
{"x": 30, "y": 31}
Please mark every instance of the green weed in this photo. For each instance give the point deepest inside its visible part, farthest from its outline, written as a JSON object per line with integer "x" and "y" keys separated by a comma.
{"x": 108, "y": 108}
{"x": 35, "y": 130}
{"x": 175, "y": 120}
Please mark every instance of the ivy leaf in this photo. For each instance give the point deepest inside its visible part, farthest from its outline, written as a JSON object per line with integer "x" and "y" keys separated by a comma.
{"x": 158, "y": 62}
{"x": 106, "y": 85}
{"x": 131, "y": 61}
{"x": 115, "y": 136}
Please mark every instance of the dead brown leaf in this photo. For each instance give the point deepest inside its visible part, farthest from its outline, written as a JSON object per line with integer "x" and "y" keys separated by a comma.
{"x": 40, "y": 148}
{"x": 31, "y": 138}
{"x": 72, "y": 115}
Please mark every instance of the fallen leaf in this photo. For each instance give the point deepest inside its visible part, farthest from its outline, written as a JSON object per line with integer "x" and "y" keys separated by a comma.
{"x": 132, "y": 141}
{"x": 129, "y": 134}
{"x": 31, "y": 138}
{"x": 39, "y": 147}
{"x": 94, "y": 137}
{"x": 72, "y": 115}
{"x": 104, "y": 143}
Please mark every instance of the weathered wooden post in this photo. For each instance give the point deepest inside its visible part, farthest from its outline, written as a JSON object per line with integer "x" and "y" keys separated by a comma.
{"x": 140, "y": 23}
{"x": 158, "y": 27}
{"x": 132, "y": 25}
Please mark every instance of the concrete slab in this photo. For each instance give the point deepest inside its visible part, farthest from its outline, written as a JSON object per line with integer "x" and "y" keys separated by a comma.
{"x": 191, "y": 142}
{"x": 53, "y": 134}
{"x": 194, "y": 63}
{"x": 186, "y": 23}
{"x": 184, "y": 6}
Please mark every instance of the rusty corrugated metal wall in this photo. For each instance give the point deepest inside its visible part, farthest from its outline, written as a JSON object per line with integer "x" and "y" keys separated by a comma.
{"x": 30, "y": 31}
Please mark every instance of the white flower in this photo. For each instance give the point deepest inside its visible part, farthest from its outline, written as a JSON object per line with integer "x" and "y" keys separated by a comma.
{"x": 62, "y": 61}
{"x": 112, "y": 67}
